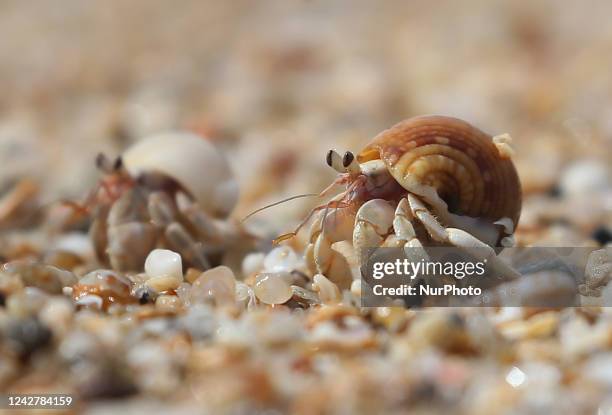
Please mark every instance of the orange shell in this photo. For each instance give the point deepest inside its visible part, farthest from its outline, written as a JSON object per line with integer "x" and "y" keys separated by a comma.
{"x": 458, "y": 160}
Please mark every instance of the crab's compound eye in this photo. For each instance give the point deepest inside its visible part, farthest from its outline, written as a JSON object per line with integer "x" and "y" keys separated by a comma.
{"x": 118, "y": 164}
{"x": 347, "y": 159}
{"x": 100, "y": 160}
{"x": 328, "y": 158}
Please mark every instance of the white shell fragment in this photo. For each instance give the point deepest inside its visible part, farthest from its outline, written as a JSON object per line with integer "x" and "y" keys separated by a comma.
{"x": 252, "y": 263}
{"x": 192, "y": 161}
{"x": 281, "y": 259}
{"x": 164, "y": 269}
{"x": 272, "y": 288}
{"x": 163, "y": 262}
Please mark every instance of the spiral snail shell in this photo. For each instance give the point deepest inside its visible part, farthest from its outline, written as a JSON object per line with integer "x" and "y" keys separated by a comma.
{"x": 439, "y": 157}
{"x": 426, "y": 181}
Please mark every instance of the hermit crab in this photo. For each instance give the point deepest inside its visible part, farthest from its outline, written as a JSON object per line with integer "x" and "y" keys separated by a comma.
{"x": 428, "y": 180}
{"x": 172, "y": 190}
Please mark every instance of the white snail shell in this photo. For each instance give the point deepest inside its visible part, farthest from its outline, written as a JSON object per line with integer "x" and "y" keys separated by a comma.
{"x": 193, "y": 162}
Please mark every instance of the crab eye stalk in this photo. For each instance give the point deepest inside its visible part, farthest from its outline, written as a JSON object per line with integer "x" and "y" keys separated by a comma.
{"x": 118, "y": 164}
{"x": 105, "y": 164}
{"x": 351, "y": 164}
{"x": 347, "y": 159}
{"x": 334, "y": 160}
{"x": 328, "y": 158}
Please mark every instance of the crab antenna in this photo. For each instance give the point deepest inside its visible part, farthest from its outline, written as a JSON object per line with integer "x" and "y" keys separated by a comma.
{"x": 326, "y": 206}
{"x": 277, "y": 203}
{"x": 323, "y": 193}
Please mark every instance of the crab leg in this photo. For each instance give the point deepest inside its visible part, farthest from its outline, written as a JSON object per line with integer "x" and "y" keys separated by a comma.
{"x": 402, "y": 225}
{"x": 373, "y": 222}
{"x": 332, "y": 225}
{"x": 459, "y": 238}
{"x": 180, "y": 240}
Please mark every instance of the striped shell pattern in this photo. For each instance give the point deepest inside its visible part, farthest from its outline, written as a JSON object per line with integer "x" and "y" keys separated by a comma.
{"x": 462, "y": 164}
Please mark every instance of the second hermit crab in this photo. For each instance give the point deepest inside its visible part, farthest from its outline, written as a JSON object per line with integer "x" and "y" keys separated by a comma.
{"x": 429, "y": 180}
{"x": 172, "y": 190}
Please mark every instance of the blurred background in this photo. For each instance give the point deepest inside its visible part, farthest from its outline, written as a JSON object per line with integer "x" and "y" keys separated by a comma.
{"x": 276, "y": 84}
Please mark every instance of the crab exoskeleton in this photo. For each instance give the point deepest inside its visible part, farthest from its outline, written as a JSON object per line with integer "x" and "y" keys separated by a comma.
{"x": 172, "y": 190}
{"x": 428, "y": 180}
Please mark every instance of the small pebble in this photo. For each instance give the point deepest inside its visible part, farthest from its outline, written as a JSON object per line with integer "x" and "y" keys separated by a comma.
{"x": 28, "y": 335}
{"x": 110, "y": 286}
{"x": 282, "y": 259}
{"x": 164, "y": 263}
{"x": 169, "y": 303}
{"x": 192, "y": 274}
{"x": 245, "y": 297}
{"x": 182, "y": 292}
{"x": 106, "y": 279}
{"x": 62, "y": 259}
{"x": 46, "y": 277}
{"x": 304, "y": 298}
{"x": 57, "y": 314}
{"x": 27, "y": 302}
{"x": 272, "y": 288}
{"x": 144, "y": 295}
{"x": 106, "y": 380}
{"x": 242, "y": 291}
{"x": 599, "y": 369}
{"x": 199, "y": 321}
{"x": 584, "y": 177}
{"x": 163, "y": 283}
{"x": 164, "y": 269}
{"x": 252, "y": 263}
{"x": 217, "y": 283}
{"x": 90, "y": 301}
